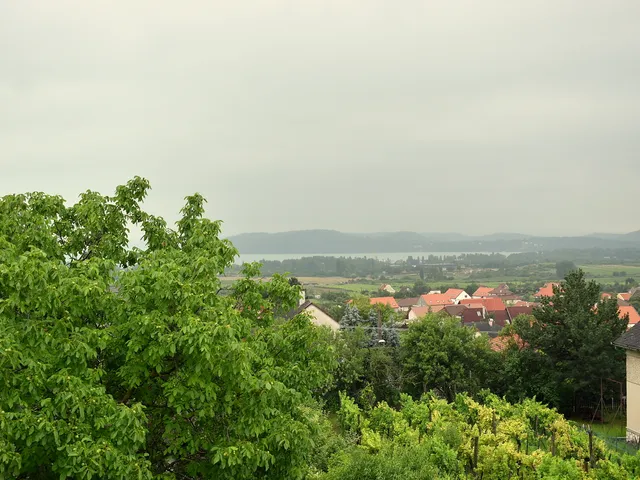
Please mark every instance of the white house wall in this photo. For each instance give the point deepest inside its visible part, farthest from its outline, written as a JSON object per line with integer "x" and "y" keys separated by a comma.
{"x": 633, "y": 396}
{"x": 318, "y": 317}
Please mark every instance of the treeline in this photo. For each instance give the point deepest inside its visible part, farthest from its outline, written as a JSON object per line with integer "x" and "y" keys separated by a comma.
{"x": 319, "y": 266}
{"x": 327, "y": 242}
{"x": 431, "y": 266}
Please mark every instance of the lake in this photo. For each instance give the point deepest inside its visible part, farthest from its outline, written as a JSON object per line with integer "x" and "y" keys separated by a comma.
{"x": 257, "y": 257}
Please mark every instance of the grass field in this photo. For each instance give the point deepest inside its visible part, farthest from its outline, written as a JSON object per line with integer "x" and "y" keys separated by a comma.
{"x": 600, "y": 273}
{"x": 604, "y": 273}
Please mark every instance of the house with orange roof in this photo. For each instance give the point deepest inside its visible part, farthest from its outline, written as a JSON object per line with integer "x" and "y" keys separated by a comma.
{"x": 456, "y": 294}
{"x": 547, "y": 290}
{"x": 605, "y": 296}
{"x": 433, "y": 299}
{"x": 625, "y": 297}
{"x": 501, "y": 342}
{"x": 491, "y": 304}
{"x": 389, "y": 301}
{"x": 629, "y": 310}
{"x": 482, "y": 292}
{"x": 419, "y": 312}
{"x": 501, "y": 290}
{"x": 522, "y": 303}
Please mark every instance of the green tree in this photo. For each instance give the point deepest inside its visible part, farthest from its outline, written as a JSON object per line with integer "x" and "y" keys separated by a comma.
{"x": 563, "y": 268}
{"x": 569, "y": 342}
{"x": 438, "y": 353}
{"x": 471, "y": 288}
{"x": 420, "y": 288}
{"x": 120, "y": 362}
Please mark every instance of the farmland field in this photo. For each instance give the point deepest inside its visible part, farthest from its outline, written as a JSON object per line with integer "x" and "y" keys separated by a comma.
{"x": 602, "y": 274}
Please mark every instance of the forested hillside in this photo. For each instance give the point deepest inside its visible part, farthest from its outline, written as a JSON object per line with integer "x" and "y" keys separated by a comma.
{"x": 330, "y": 241}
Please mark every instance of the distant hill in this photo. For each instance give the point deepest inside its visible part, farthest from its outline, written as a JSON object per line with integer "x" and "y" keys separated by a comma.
{"x": 626, "y": 237}
{"x": 334, "y": 242}
{"x": 632, "y": 237}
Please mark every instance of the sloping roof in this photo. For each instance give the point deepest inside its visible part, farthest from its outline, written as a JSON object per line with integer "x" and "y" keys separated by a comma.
{"x": 407, "y": 302}
{"x": 422, "y": 311}
{"x": 513, "y": 312}
{"x": 634, "y": 317}
{"x": 482, "y": 292}
{"x": 384, "y": 301}
{"x": 485, "y": 327}
{"x": 491, "y": 303}
{"x": 500, "y": 317}
{"x": 472, "y": 315}
{"x": 501, "y": 342}
{"x": 306, "y": 305}
{"x": 630, "y": 340}
{"x": 547, "y": 290}
{"x": 455, "y": 310}
{"x": 501, "y": 290}
{"x": 522, "y": 303}
{"x": 605, "y": 295}
{"x": 454, "y": 292}
{"x": 624, "y": 296}
{"x": 436, "y": 299}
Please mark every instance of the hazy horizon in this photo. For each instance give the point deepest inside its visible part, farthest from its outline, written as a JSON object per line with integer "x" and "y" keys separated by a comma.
{"x": 426, "y": 233}
{"x": 443, "y": 116}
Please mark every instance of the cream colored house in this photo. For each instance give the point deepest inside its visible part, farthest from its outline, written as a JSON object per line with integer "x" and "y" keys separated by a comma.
{"x": 387, "y": 288}
{"x": 630, "y": 341}
{"x": 318, "y": 316}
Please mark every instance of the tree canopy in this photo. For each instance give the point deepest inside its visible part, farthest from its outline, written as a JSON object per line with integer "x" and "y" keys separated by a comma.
{"x": 438, "y": 354}
{"x": 568, "y": 343}
{"x": 121, "y": 362}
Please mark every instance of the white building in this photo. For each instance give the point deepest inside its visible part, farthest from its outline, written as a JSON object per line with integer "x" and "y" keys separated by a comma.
{"x": 630, "y": 341}
{"x": 318, "y": 316}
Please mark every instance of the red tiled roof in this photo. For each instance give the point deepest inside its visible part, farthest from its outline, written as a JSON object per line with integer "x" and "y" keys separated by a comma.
{"x": 520, "y": 310}
{"x": 492, "y": 304}
{"x": 384, "y": 301}
{"x": 473, "y": 314}
{"x": 522, "y": 303}
{"x": 454, "y": 292}
{"x": 634, "y": 317}
{"x": 501, "y": 342}
{"x": 455, "y": 310}
{"x": 501, "y": 290}
{"x": 604, "y": 295}
{"x": 500, "y": 317}
{"x": 624, "y": 296}
{"x": 477, "y": 304}
{"x": 482, "y": 292}
{"x": 432, "y": 299}
{"x": 547, "y": 290}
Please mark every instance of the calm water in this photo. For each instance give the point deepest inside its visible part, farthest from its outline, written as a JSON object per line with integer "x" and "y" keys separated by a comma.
{"x": 257, "y": 257}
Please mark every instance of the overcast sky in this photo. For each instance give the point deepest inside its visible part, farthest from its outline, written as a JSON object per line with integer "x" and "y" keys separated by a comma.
{"x": 356, "y": 115}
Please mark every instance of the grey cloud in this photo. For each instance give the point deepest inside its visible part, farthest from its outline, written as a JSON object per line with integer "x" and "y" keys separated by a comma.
{"x": 354, "y": 115}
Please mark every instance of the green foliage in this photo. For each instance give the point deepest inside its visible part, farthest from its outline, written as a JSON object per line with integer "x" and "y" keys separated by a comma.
{"x": 564, "y": 268}
{"x": 128, "y": 363}
{"x": 437, "y": 353}
{"x": 568, "y": 345}
{"x": 432, "y": 438}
